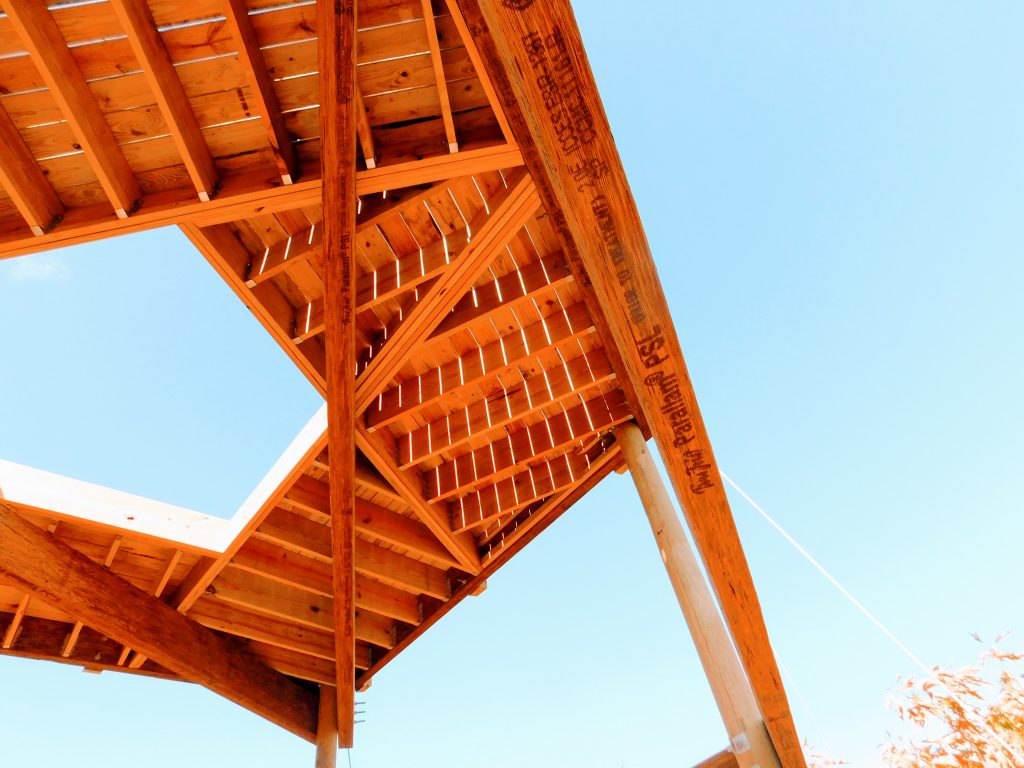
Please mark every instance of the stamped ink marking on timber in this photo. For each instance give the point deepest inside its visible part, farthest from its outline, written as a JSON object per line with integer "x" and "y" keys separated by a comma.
{"x": 558, "y": 83}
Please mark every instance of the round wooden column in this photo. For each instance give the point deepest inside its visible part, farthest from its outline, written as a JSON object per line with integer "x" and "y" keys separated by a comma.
{"x": 327, "y": 728}
{"x": 729, "y": 685}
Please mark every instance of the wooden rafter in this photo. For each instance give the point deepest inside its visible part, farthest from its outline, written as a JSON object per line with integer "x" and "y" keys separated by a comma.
{"x": 336, "y": 23}
{"x": 39, "y": 34}
{"x": 137, "y": 20}
{"x": 442, "y": 83}
{"x": 490, "y": 233}
{"x": 409, "y": 484}
{"x": 542, "y": 440}
{"x": 488, "y": 362}
{"x": 481, "y": 69}
{"x": 522, "y": 397}
{"x": 68, "y": 580}
{"x": 24, "y": 181}
{"x": 610, "y": 249}
{"x": 249, "y": 53}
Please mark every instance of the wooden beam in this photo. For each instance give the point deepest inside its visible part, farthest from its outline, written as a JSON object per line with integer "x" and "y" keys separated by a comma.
{"x": 409, "y": 483}
{"x": 66, "y": 579}
{"x": 364, "y": 132}
{"x": 481, "y": 69}
{"x": 19, "y": 615}
{"x": 490, "y": 233}
{"x": 439, "y": 78}
{"x": 723, "y": 759}
{"x": 542, "y": 440}
{"x": 729, "y": 685}
{"x": 251, "y": 57}
{"x": 144, "y": 39}
{"x": 249, "y": 195}
{"x": 24, "y": 181}
{"x": 523, "y": 396}
{"x": 473, "y": 368}
{"x": 336, "y": 22}
{"x": 226, "y": 254}
{"x": 327, "y": 728}
{"x": 38, "y": 31}
{"x": 387, "y": 283}
{"x": 533, "y": 52}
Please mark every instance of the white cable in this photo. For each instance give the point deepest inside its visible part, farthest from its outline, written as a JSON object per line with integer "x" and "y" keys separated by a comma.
{"x": 860, "y": 606}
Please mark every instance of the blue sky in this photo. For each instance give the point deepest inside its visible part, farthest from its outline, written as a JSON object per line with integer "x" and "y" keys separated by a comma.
{"x": 833, "y": 194}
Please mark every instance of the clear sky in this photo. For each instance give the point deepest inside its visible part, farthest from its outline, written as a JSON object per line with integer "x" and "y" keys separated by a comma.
{"x": 833, "y": 193}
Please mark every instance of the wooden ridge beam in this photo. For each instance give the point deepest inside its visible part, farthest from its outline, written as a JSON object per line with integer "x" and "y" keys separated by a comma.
{"x": 24, "y": 181}
{"x": 476, "y": 366}
{"x": 249, "y": 54}
{"x": 534, "y": 51}
{"x": 491, "y": 231}
{"x": 66, "y": 579}
{"x": 35, "y": 26}
{"x": 523, "y": 397}
{"x": 248, "y": 196}
{"x": 137, "y": 20}
{"x": 409, "y": 483}
{"x": 336, "y": 29}
{"x": 542, "y": 440}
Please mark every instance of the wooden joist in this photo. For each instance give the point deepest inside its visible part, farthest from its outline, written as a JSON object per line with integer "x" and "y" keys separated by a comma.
{"x": 66, "y": 579}
{"x": 40, "y": 35}
{"x": 409, "y": 484}
{"x": 137, "y": 20}
{"x": 266, "y": 103}
{"x": 442, "y": 83}
{"x": 521, "y": 398}
{"x": 536, "y": 57}
{"x": 24, "y": 181}
{"x": 574, "y": 426}
{"x": 336, "y": 22}
{"x": 484, "y": 363}
{"x": 490, "y": 232}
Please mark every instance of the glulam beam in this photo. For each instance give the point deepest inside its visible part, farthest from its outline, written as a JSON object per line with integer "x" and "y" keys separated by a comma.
{"x": 68, "y": 580}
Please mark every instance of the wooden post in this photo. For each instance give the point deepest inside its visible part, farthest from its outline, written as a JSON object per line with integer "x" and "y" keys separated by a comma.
{"x": 336, "y": 21}
{"x": 747, "y": 734}
{"x": 327, "y": 728}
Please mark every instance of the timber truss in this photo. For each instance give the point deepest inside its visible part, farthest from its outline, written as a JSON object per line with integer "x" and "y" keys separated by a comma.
{"x": 422, "y": 204}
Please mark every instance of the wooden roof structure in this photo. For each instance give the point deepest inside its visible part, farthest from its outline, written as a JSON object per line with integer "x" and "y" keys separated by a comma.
{"x": 421, "y": 202}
